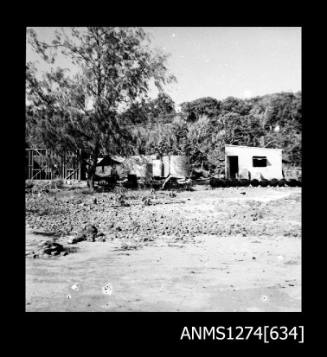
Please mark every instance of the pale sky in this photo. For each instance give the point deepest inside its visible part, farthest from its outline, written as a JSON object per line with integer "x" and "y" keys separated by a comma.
{"x": 224, "y": 61}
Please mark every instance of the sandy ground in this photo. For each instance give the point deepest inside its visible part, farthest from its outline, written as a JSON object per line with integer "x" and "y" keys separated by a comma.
{"x": 203, "y": 272}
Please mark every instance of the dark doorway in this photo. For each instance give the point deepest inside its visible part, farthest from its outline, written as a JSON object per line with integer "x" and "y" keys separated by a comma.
{"x": 233, "y": 166}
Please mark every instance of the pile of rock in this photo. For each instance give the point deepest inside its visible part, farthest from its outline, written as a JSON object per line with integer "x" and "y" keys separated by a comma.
{"x": 48, "y": 248}
{"x": 89, "y": 233}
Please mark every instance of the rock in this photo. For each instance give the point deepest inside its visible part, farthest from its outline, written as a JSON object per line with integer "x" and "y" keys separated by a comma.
{"x": 88, "y": 233}
{"x": 52, "y": 248}
{"x": 75, "y": 287}
{"x": 79, "y": 238}
{"x": 100, "y": 237}
{"x": 90, "y": 229}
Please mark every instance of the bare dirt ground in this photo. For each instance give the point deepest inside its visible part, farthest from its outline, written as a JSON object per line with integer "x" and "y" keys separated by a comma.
{"x": 230, "y": 249}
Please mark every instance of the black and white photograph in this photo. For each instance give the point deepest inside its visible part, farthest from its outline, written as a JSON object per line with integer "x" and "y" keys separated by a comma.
{"x": 163, "y": 169}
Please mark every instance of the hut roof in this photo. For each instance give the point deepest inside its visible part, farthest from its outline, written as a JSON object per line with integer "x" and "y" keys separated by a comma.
{"x": 107, "y": 161}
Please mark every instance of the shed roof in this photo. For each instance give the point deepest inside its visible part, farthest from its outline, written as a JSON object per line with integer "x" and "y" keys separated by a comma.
{"x": 250, "y": 147}
{"x": 107, "y": 161}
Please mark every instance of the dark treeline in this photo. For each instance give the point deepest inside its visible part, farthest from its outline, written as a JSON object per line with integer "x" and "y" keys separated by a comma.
{"x": 104, "y": 108}
{"x": 205, "y": 125}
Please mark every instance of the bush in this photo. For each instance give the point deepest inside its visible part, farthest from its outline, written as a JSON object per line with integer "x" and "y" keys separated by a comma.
{"x": 131, "y": 182}
{"x": 254, "y": 183}
{"x": 281, "y": 182}
{"x": 215, "y": 182}
{"x": 264, "y": 183}
{"x": 156, "y": 184}
{"x": 273, "y": 182}
{"x": 224, "y": 183}
{"x": 243, "y": 182}
{"x": 234, "y": 182}
{"x": 291, "y": 182}
{"x": 229, "y": 183}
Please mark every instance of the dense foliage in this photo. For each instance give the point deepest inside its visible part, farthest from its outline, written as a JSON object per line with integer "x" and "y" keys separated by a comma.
{"x": 205, "y": 125}
{"x": 115, "y": 67}
{"x": 80, "y": 111}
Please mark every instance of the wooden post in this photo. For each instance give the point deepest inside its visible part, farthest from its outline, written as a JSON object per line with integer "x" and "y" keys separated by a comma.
{"x": 63, "y": 166}
{"x": 80, "y": 165}
{"x": 32, "y": 168}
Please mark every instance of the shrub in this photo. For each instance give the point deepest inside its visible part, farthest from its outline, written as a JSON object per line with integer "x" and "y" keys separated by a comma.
{"x": 291, "y": 182}
{"x": 281, "y": 182}
{"x": 244, "y": 182}
{"x": 254, "y": 183}
{"x": 223, "y": 183}
{"x": 264, "y": 183}
{"x": 273, "y": 182}
{"x": 215, "y": 182}
{"x": 234, "y": 182}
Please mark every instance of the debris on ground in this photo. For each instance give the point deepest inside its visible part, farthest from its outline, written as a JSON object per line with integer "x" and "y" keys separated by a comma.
{"x": 48, "y": 248}
{"x": 146, "y": 201}
{"x": 75, "y": 287}
{"x": 172, "y": 194}
{"x": 107, "y": 289}
{"x": 129, "y": 246}
{"x": 88, "y": 233}
{"x": 226, "y": 216}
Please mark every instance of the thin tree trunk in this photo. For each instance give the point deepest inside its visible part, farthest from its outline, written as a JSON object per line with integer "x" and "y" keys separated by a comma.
{"x": 92, "y": 169}
{"x": 90, "y": 178}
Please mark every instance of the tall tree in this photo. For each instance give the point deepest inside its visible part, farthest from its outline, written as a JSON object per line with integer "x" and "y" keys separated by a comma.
{"x": 81, "y": 111}
{"x": 273, "y": 121}
{"x": 207, "y": 106}
{"x": 147, "y": 111}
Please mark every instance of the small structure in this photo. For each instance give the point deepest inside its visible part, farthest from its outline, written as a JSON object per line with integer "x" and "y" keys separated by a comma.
{"x": 139, "y": 165}
{"x": 145, "y": 166}
{"x": 106, "y": 165}
{"x": 176, "y": 166}
{"x": 42, "y": 164}
{"x": 253, "y": 162}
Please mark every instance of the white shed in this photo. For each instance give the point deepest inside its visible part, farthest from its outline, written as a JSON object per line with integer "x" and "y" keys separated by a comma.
{"x": 176, "y": 166}
{"x": 253, "y": 162}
